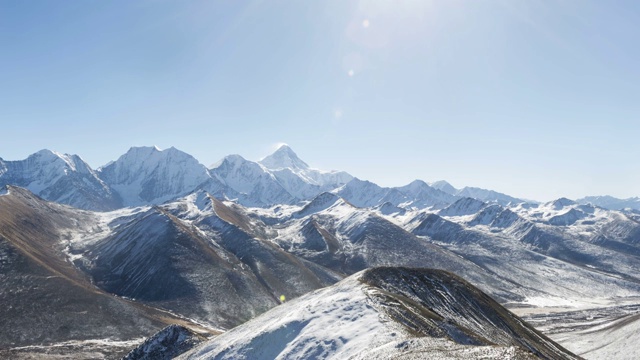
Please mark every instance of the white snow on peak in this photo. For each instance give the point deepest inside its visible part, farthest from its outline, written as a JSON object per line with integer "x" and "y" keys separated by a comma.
{"x": 560, "y": 203}
{"x": 462, "y": 207}
{"x": 191, "y": 206}
{"x": 444, "y": 186}
{"x": 281, "y": 178}
{"x": 62, "y": 178}
{"x": 321, "y": 202}
{"x": 416, "y": 185}
{"x": 232, "y": 159}
{"x": 611, "y": 202}
{"x": 43, "y": 169}
{"x": 148, "y": 175}
{"x": 285, "y": 163}
{"x": 416, "y": 194}
{"x": 45, "y": 157}
{"x": 282, "y": 158}
{"x": 243, "y": 175}
{"x": 487, "y": 195}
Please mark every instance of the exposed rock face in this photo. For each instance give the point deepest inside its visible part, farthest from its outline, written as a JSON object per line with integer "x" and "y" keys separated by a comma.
{"x": 166, "y": 344}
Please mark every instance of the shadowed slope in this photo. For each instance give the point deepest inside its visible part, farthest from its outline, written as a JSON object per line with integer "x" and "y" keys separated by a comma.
{"x": 45, "y": 298}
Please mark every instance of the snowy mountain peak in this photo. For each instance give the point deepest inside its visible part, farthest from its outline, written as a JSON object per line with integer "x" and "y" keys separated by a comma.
{"x": 232, "y": 160}
{"x": 444, "y": 186}
{"x": 282, "y": 158}
{"x": 464, "y": 206}
{"x": 561, "y": 203}
{"x": 607, "y": 201}
{"x": 143, "y": 150}
{"x": 320, "y": 203}
{"x": 149, "y": 175}
{"x": 61, "y": 178}
{"x": 45, "y": 153}
{"x": 45, "y": 157}
{"x": 417, "y": 184}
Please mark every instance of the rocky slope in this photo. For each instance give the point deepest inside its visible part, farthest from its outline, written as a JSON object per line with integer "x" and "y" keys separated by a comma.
{"x": 45, "y": 300}
{"x": 386, "y": 313}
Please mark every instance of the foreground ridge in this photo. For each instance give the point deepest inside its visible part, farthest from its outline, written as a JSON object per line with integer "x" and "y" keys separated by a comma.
{"x": 382, "y": 313}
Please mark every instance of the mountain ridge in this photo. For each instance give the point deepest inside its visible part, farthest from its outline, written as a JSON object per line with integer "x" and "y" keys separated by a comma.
{"x": 382, "y": 313}
{"x": 147, "y": 175}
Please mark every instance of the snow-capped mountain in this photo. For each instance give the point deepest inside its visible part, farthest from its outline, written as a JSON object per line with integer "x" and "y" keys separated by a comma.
{"x": 148, "y": 175}
{"x": 286, "y": 165}
{"x": 198, "y": 257}
{"x": 494, "y": 216}
{"x": 298, "y": 179}
{"x": 362, "y": 193}
{"x": 476, "y": 193}
{"x": 221, "y": 245}
{"x": 424, "y": 196}
{"x": 418, "y": 194}
{"x": 488, "y": 196}
{"x": 280, "y": 178}
{"x": 444, "y": 186}
{"x": 254, "y": 184}
{"x": 464, "y": 206}
{"x": 221, "y": 264}
{"x": 62, "y": 178}
{"x": 574, "y": 234}
{"x": 282, "y": 158}
{"x": 612, "y": 203}
{"x": 386, "y": 313}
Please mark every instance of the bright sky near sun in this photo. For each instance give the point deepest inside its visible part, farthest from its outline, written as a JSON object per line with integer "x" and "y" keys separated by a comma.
{"x": 537, "y": 99}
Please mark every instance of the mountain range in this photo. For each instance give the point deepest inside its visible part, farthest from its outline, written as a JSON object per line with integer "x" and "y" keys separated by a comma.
{"x": 156, "y": 238}
{"x": 150, "y": 176}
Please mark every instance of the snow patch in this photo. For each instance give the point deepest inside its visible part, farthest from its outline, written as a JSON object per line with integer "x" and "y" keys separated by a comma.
{"x": 336, "y": 322}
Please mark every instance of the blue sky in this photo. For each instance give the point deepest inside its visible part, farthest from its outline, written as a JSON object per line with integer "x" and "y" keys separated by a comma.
{"x": 538, "y": 99}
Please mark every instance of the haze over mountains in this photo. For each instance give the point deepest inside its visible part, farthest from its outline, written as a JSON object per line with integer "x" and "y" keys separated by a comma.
{"x": 158, "y": 238}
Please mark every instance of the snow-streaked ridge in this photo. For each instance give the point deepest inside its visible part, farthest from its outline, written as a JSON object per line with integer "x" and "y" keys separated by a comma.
{"x": 361, "y": 318}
